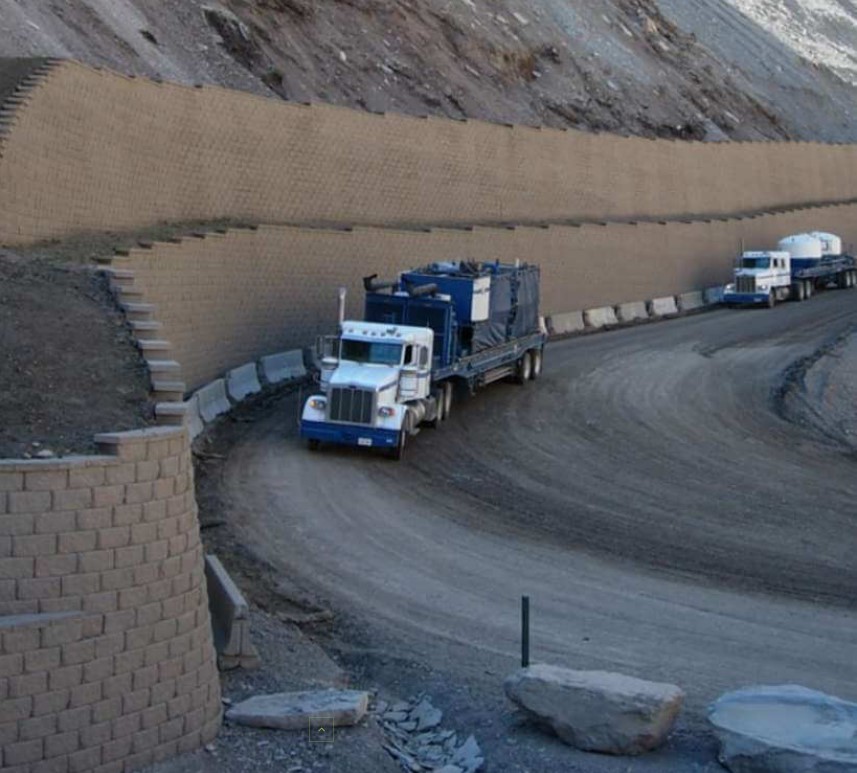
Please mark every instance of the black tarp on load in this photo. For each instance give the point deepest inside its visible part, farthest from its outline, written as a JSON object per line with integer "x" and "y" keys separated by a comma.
{"x": 513, "y": 310}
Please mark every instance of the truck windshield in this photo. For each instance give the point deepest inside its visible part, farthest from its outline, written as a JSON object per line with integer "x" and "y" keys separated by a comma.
{"x": 373, "y": 352}
{"x": 755, "y": 263}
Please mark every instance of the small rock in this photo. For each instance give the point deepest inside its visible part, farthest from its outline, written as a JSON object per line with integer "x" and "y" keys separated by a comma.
{"x": 426, "y": 716}
{"x": 396, "y": 716}
{"x": 292, "y": 711}
{"x": 595, "y": 710}
{"x": 342, "y": 57}
{"x": 400, "y": 706}
{"x": 408, "y": 727}
{"x": 210, "y": 747}
{"x": 45, "y": 453}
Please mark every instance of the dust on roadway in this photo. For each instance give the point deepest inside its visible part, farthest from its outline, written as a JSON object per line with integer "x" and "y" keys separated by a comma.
{"x": 648, "y": 494}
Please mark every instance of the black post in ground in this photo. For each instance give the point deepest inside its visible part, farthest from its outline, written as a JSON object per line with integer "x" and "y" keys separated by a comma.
{"x": 525, "y": 631}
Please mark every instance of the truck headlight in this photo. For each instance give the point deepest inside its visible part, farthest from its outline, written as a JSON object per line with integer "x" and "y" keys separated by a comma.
{"x": 386, "y": 412}
{"x": 319, "y": 403}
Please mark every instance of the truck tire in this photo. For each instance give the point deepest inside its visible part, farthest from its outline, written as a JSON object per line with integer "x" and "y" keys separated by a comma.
{"x": 809, "y": 288}
{"x": 447, "y": 399}
{"x": 772, "y": 299}
{"x": 397, "y": 452}
{"x": 313, "y": 444}
{"x": 798, "y": 292}
{"x": 537, "y": 356}
{"x": 525, "y": 369}
{"x": 437, "y": 394}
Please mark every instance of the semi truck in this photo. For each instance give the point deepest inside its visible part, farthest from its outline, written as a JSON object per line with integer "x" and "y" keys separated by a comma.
{"x": 387, "y": 375}
{"x": 801, "y": 264}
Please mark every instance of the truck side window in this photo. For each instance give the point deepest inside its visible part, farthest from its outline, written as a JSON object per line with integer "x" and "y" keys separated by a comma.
{"x": 409, "y": 354}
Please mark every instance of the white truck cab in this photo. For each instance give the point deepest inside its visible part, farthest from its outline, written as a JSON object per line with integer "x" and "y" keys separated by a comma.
{"x": 377, "y": 384}
{"x": 761, "y": 277}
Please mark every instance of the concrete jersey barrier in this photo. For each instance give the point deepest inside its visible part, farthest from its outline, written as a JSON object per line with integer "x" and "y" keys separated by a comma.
{"x": 663, "y": 307}
{"x": 230, "y": 618}
{"x": 193, "y": 419}
{"x": 284, "y": 365}
{"x": 691, "y": 301}
{"x": 565, "y": 323}
{"x": 630, "y": 312}
{"x": 242, "y": 382}
{"x": 600, "y": 317}
{"x": 212, "y": 400}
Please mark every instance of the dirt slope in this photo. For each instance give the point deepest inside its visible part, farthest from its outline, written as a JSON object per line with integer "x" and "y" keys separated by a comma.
{"x": 638, "y": 66}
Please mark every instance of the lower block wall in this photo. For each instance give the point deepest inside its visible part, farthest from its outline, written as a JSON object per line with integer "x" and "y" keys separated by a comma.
{"x": 106, "y": 654}
{"x": 228, "y": 299}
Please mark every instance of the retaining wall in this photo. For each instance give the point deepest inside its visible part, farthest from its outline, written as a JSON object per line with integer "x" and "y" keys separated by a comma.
{"x": 230, "y": 298}
{"x": 106, "y": 655}
{"x": 93, "y": 150}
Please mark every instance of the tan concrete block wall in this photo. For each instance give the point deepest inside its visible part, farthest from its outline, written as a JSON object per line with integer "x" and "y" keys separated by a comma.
{"x": 231, "y": 298}
{"x": 94, "y": 150}
{"x": 106, "y": 654}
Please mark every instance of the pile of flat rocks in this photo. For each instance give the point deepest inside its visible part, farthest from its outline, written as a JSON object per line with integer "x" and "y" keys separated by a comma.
{"x": 417, "y": 741}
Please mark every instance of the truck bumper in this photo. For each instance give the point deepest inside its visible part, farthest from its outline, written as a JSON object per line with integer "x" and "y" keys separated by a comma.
{"x": 348, "y": 434}
{"x": 745, "y": 298}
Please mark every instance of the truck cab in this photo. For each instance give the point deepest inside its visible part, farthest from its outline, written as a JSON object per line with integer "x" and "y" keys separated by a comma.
{"x": 375, "y": 371}
{"x": 762, "y": 277}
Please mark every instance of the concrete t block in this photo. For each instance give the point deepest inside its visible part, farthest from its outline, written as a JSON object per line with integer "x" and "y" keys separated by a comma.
{"x": 242, "y": 382}
{"x": 283, "y": 366}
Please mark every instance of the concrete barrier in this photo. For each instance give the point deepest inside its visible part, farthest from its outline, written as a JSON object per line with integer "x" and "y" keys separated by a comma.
{"x": 283, "y": 366}
{"x": 242, "y": 382}
{"x": 630, "y": 312}
{"x": 691, "y": 301}
{"x": 713, "y": 295}
{"x": 212, "y": 400}
{"x": 602, "y": 317}
{"x": 230, "y": 618}
{"x": 568, "y": 322}
{"x": 193, "y": 419}
{"x": 662, "y": 307}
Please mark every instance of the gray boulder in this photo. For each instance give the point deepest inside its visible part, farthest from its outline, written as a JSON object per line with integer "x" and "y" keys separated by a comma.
{"x": 293, "y": 710}
{"x": 785, "y": 729}
{"x": 595, "y": 710}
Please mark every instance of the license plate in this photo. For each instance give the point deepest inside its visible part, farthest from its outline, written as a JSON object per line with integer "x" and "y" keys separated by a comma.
{"x": 364, "y": 441}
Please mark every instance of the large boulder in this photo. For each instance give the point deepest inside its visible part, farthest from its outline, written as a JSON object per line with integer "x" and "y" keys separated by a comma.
{"x": 595, "y": 710}
{"x": 785, "y": 729}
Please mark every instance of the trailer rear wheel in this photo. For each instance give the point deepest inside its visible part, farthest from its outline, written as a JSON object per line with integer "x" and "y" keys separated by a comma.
{"x": 447, "y": 399}
{"x": 809, "y": 288}
{"x": 799, "y": 292}
{"x": 536, "y": 369}
{"x": 525, "y": 369}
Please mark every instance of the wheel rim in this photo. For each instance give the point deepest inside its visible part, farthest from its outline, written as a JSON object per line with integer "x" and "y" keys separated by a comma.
{"x": 537, "y": 364}
{"x": 526, "y": 366}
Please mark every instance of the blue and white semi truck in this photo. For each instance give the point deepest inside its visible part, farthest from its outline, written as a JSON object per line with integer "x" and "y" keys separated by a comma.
{"x": 800, "y": 265}
{"x": 393, "y": 371}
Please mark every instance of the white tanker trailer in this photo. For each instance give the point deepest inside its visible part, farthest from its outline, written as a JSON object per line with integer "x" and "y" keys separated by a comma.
{"x": 801, "y": 264}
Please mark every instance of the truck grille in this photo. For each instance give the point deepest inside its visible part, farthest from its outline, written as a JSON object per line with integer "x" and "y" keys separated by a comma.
{"x": 745, "y": 284}
{"x": 351, "y": 405}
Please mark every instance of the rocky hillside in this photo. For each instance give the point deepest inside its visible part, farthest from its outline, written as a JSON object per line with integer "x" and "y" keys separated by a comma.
{"x": 711, "y": 69}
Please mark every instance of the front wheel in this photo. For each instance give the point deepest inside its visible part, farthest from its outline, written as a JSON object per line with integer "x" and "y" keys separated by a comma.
{"x": 398, "y": 451}
{"x": 772, "y": 300}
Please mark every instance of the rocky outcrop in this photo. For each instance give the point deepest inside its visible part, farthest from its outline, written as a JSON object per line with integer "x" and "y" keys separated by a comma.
{"x": 786, "y": 729}
{"x": 595, "y": 710}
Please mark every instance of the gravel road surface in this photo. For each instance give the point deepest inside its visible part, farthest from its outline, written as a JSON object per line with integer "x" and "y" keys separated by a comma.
{"x": 649, "y": 493}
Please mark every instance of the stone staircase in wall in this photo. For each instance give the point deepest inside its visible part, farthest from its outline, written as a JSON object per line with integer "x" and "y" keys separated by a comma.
{"x": 167, "y": 389}
{"x": 11, "y": 104}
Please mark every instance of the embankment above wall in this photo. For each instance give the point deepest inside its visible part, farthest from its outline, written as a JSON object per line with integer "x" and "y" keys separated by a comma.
{"x": 90, "y": 150}
{"x": 230, "y": 298}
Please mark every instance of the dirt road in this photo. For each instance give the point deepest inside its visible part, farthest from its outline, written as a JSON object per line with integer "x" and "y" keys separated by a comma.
{"x": 648, "y": 494}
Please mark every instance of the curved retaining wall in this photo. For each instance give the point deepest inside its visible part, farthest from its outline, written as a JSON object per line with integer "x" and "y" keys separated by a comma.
{"x": 230, "y": 298}
{"x": 94, "y": 150}
{"x": 106, "y": 655}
